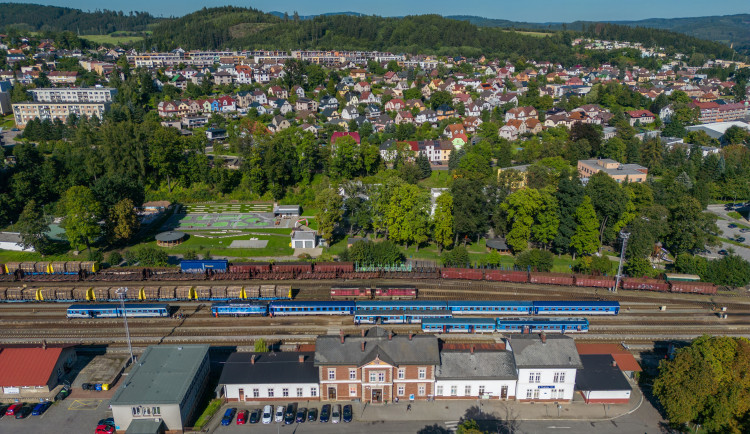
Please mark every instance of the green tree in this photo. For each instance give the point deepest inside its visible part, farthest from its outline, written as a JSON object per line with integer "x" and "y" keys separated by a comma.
{"x": 457, "y": 257}
{"x": 443, "y": 221}
{"x": 736, "y": 135}
{"x": 638, "y": 267}
{"x": 690, "y": 227}
{"x": 330, "y": 204}
{"x": 424, "y": 166}
{"x": 469, "y": 427}
{"x": 260, "y": 346}
{"x": 609, "y": 202}
{"x": 32, "y": 225}
{"x": 546, "y": 221}
{"x": 114, "y": 259}
{"x": 585, "y": 240}
{"x": 469, "y": 208}
{"x": 706, "y": 383}
{"x": 150, "y": 256}
{"x": 535, "y": 259}
{"x": 82, "y": 214}
{"x": 521, "y": 207}
{"x": 569, "y": 196}
{"x": 165, "y": 154}
{"x": 408, "y": 216}
{"x": 123, "y": 220}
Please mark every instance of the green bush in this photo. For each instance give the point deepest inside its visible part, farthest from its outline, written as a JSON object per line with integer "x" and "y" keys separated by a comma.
{"x": 95, "y": 255}
{"x": 366, "y": 252}
{"x": 190, "y": 255}
{"x": 535, "y": 259}
{"x": 114, "y": 259}
{"x": 457, "y": 257}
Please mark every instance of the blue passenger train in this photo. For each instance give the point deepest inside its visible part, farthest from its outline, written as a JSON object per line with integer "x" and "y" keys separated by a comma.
{"x": 239, "y": 309}
{"x": 505, "y": 325}
{"x": 283, "y": 308}
{"x": 490, "y": 307}
{"x": 576, "y": 307}
{"x": 114, "y": 310}
{"x": 398, "y": 316}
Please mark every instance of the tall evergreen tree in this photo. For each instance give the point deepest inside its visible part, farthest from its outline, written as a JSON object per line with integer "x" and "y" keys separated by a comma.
{"x": 585, "y": 240}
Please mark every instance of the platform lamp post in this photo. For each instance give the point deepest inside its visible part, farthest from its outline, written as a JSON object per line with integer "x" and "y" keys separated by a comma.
{"x": 624, "y": 235}
{"x": 121, "y": 292}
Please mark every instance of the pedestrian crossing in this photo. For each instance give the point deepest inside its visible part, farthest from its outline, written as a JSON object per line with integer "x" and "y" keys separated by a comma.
{"x": 452, "y": 425}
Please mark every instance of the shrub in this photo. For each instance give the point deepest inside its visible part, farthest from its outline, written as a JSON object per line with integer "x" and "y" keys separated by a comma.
{"x": 190, "y": 255}
{"x": 114, "y": 259}
{"x": 536, "y": 259}
{"x": 457, "y": 257}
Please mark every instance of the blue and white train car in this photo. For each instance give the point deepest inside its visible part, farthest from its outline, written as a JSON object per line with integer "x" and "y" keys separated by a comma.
{"x": 286, "y": 308}
{"x": 490, "y": 307}
{"x": 538, "y": 325}
{"x": 459, "y": 325}
{"x": 401, "y": 305}
{"x": 365, "y": 316}
{"x": 576, "y": 307}
{"x": 203, "y": 265}
{"x": 113, "y": 310}
{"x": 239, "y": 309}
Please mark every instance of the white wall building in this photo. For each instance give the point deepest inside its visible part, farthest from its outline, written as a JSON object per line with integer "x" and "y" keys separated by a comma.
{"x": 270, "y": 376}
{"x": 546, "y": 367}
{"x": 475, "y": 375}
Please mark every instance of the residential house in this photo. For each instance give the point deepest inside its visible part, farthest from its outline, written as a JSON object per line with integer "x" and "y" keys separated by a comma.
{"x": 454, "y": 130}
{"x": 426, "y": 116}
{"x": 306, "y": 104}
{"x": 377, "y": 366}
{"x": 404, "y": 117}
{"x": 600, "y": 381}
{"x": 329, "y": 102}
{"x": 62, "y": 77}
{"x": 521, "y": 113}
{"x": 641, "y": 116}
{"x": 280, "y": 123}
{"x": 445, "y": 111}
{"x": 362, "y": 86}
{"x": 222, "y": 77}
{"x": 349, "y": 113}
{"x": 395, "y": 104}
{"x": 270, "y": 376}
{"x": 304, "y": 239}
{"x": 617, "y": 171}
{"x": 372, "y": 111}
{"x": 278, "y": 92}
{"x": 508, "y": 132}
{"x": 282, "y": 105}
{"x": 298, "y": 90}
{"x": 475, "y": 373}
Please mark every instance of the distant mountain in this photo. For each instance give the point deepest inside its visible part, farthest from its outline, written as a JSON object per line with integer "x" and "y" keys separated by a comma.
{"x": 33, "y": 17}
{"x": 727, "y": 29}
{"x": 309, "y": 17}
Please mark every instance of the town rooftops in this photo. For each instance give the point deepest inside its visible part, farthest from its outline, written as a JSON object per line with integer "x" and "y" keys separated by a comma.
{"x": 554, "y": 351}
{"x": 467, "y": 365}
{"x": 600, "y": 373}
{"x": 270, "y": 368}
{"x": 162, "y": 375}
{"x": 396, "y": 350}
{"x": 27, "y": 366}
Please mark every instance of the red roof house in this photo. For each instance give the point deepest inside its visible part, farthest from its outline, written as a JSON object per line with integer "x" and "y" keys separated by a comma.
{"x": 26, "y": 372}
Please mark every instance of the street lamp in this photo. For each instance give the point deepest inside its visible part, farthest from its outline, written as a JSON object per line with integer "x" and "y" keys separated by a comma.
{"x": 121, "y": 292}
{"x": 624, "y": 235}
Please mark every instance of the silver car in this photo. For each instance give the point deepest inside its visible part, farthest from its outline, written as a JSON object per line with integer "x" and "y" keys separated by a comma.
{"x": 267, "y": 414}
{"x": 336, "y": 414}
{"x": 279, "y": 414}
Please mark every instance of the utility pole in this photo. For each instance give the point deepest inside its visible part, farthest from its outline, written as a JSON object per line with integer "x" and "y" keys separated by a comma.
{"x": 121, "y": 292}
{"x": 624, "y": 235}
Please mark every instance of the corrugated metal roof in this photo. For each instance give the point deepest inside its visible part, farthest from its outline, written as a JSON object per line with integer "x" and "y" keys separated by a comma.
{"x": 27, "y": 366}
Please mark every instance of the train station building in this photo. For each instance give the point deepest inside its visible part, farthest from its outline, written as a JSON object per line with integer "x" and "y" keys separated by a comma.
{"x": 162, "y": 390}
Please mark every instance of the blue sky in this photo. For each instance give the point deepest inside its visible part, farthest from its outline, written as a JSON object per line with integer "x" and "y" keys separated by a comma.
{"x": 534, "y": 10}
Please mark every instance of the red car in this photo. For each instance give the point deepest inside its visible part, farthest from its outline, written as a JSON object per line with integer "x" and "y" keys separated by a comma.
{"x": 13, "y": 409}
{"x": 104, "y": 429}
{"x": 242, "y": 417}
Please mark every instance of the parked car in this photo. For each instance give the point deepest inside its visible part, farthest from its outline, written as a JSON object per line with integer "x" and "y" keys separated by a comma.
{"x": 325, "y": 413}
{"x": 108, "y": 421}
{"x": 242, "y": 417}
{"x": 104, "y": 429}
{"x": 40, "y": 408}
{"x": 279, "y": 414}
{"x": 336, "y": 414}
{"x": 267, "y": 414}
{"x": 255, "y": 416}
{"x": 744, "y": 230}
{"x": 347, "y": 415}
{"x": 290, "y": 413}
{"x": 23, "y": 412}
{"x": 723, "y": 252}
{"x": 301, "y": 415}
{"x": 11, "y": 411}
{"x": 62, "y": 394}
{"x": 740, "y": 239}
{"x": 312, "y": 415}
{"x": 732, "y": 225}
{"x": 228, "y": 416}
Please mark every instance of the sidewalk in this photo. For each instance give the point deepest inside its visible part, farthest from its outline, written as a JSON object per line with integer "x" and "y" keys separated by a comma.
{"x": 452, "y": 410}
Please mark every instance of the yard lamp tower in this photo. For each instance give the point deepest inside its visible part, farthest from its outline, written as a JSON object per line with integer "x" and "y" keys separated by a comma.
{"x": 121, "y": 292}
{"x": 624, "y": 235}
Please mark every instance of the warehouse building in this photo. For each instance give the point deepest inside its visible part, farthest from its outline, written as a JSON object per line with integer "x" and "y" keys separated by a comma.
{"x": 163, "y": 388}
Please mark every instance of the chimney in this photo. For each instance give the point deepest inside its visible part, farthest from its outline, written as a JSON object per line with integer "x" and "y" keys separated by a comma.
{"x": 363, "y": 347}
{"x": 543, "y": 336}
{"x": 614, "y": 363}
{"x": 341, "y": 333}
{"x": 44, "y": 344}
{"x": 472, "y": 349}
{"x": 363, "y": 332}
{"x": 301, "y": 358}
{"x": 411, "y": 335}
{"x": 252, "y": 359}
{"x": 390, "y": 335}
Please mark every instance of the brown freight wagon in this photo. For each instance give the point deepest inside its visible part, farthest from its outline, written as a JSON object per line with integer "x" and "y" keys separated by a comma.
{"x": 552, "y": 278}
{"x": 283, "y": 291}
{"x": 2, "y": 294}
{"x": 594, "y": 281}
{"x": 10, "y": 267}
{"x": 251, "y": 268}
{"x": 694, "y": 287}
{"x": 73, "y": 266}
{"x": 506, "y": 276}
{"x": 267, "y": 291}
{"x": 645, "y": 284}
{"x": 328, "y": 267}
{"x": 166, "y": 293}
{"x": 252, "y": 292}
{"x": 294, "y": 267}
{"x": 218, "y": 292}
{"x": 234, "y": 292}
{"x": 202, "y": 292}
{"x": 183, "y": 292}
{"x": 132, "y": 293}
{"x": 64, "y": 293}
{"x": 101, "y": 293}
{"x": 28, "y": 267}
{"x": 150, "y": 292}
{"x": 462, "y": 273}
{"x": 30, "y": 294}
{"x": 57, "y": 267}
{"x": 14, "y": 294}
{"x": 81, "y": 293}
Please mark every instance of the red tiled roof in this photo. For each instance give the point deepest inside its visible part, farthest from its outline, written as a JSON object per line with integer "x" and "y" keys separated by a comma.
{"x": 27, "y": 366}
{"x": 625, "y": 360}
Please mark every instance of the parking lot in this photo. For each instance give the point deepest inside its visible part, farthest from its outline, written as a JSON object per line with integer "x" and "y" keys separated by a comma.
{"x": 70, "y": 415}
{"x": 728, "y": 232}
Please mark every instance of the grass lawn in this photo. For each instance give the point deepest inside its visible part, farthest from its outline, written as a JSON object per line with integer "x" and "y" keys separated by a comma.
{"x": 12, "y": 256}
{"x": 110, "y": 39}
{"x": 277, "y": 246}
{"x": 736, "y": 215}
{"x": 438, "y": 179}
{"x": 7, "y": 122}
